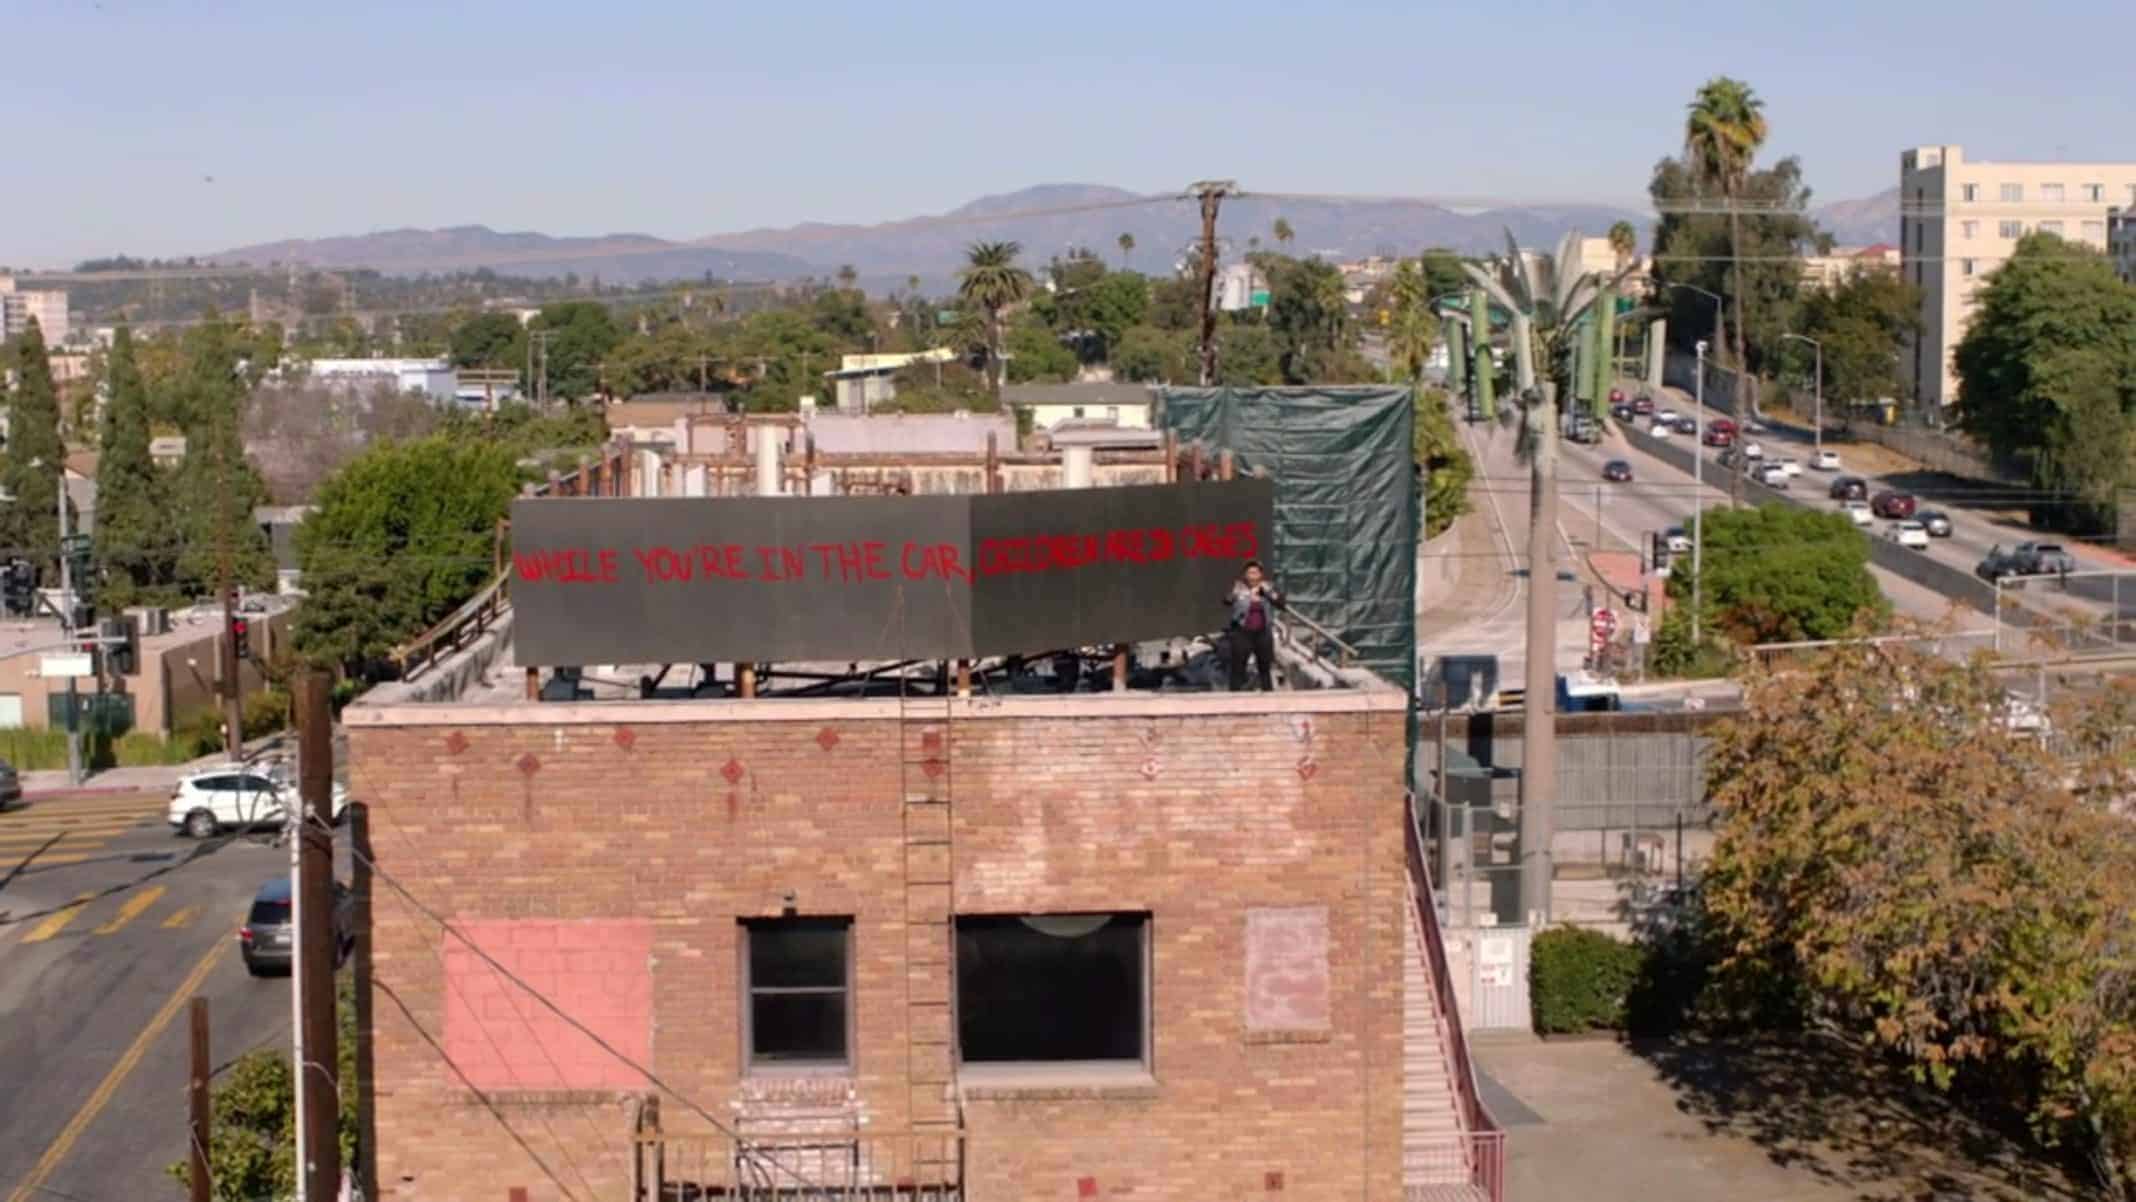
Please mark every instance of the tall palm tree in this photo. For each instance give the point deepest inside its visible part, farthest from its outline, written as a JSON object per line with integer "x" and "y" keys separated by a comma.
{"x": 1414, "y": 331}
{"x": 1623, "y": 242}
{"x": 1723, "y": 129}
{"x": 1283, "y": 232}
{"x": 1127, "y": 249}
{"x": 992, "y": 281}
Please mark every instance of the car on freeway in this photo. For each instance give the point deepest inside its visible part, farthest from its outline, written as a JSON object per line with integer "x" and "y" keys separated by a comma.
{"x": 1661, "y": 429}
{"x": 1666, "y": 415}
{"x": 1642, "y": 404}
{"x": 1793, "y": 467}
{"x": 1935, "y": 521}
{"x": 1617, "y": 471}
{"x": 2045, "y": 559}
{"x": 1616, "y": 396}
{"x": 1858, "y": 512}
{"x": 1686, "y": 424}
{"x": 1676, "y": 540}
{"x": 1718, "y": 438}
{"x": 1999, "y": 565}
{"x": 1724, "y": 425}
{"x": 10, "y": 785}
{"x": 236, "y": 797}
{"x": 1849, "y": 488}
{"x": 1771, "y": 475}
{"x": 268, "y": 939}
{"x": 1621, "y": 412}
{"x": 1751, "y": 450}
{"x": 1893, "y": 505}
{"x": 1825, "y": 461}
{"x": 1907, "y": 534}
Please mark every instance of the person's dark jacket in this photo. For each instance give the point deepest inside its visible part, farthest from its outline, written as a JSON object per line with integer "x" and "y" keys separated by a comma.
{"x": 1241, "y": 599}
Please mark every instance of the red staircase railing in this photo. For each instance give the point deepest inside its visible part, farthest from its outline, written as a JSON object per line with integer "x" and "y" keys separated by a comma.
{"x": 1486, "y": 1140}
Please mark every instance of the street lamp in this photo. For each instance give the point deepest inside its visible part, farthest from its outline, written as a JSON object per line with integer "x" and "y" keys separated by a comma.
{"x": 1818, "y": 385}
{"x": 1698, "y": 463}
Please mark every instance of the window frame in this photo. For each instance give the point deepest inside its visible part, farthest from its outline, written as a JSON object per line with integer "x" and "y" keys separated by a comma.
{"x": 754, "y": 1066}
{"x": 1144, "y": 1064}
{"x": 1969, "y": 230}
{"x": 2010, "y": 229}
{"x": 2011, "y": 194}
{"x": 2054, "y": 193}
{"x": 2052, "y": 225}
{"x": 1969, "y": 193}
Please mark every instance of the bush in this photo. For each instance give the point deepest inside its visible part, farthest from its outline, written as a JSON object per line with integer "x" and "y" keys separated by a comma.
{"x": 1579, "y": 980}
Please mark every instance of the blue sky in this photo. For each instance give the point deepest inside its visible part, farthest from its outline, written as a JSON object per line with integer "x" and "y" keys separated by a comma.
{"x": 686, "y": 118}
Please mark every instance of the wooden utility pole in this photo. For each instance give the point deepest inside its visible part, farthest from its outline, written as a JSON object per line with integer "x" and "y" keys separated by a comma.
{"x": 1211, "y": 193}
{"x": 197, "y": 1098}
{"x": 1538, "y": 737}
{"x": 319, "y": 1120}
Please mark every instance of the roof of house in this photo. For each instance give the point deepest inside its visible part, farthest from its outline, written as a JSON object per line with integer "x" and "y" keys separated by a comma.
{"x": 910, "y": 433}
{"x": 1104, "y": 435}
{"x": 1077, "y": 394}
{"x": 664, "y": 408}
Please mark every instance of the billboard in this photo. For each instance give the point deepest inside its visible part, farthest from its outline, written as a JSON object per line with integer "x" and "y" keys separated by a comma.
{"x": 761, "y": 579}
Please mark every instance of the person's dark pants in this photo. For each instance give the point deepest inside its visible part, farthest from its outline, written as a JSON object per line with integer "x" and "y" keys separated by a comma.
{"x": 1261, "y": 644}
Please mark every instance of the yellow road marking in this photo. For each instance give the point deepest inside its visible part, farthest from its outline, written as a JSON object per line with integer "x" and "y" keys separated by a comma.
{"x": 47, "y": 860}
{"x": 181, "y": 918}
{"x": 65, "y": 1140}
{"x": 57, "y": 921}
{"x": 132, "y": 909}
{"x": 33, "y": 838}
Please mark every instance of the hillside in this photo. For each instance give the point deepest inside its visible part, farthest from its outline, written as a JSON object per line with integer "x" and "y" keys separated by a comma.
{"x": 1863, "y": 222}
{"x": 616, "y": 258}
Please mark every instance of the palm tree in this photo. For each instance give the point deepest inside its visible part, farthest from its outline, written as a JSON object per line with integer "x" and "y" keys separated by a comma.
{"x": 1127, "y": 249}
{"x": 1414, "y": 331}
{"x": 992, "y": 281}
{"x": 1723, "y": 129}
{"x": 1623, "y": 242}
{"x": 1283, "y": 232}
{"x": 847, "y": 276}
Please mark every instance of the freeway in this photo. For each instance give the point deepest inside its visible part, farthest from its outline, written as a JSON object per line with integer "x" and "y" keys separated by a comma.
{"x": 102, "y": 941}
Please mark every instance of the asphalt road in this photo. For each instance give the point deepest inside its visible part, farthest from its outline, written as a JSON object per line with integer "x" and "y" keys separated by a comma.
{"x": 93, "y": 1014}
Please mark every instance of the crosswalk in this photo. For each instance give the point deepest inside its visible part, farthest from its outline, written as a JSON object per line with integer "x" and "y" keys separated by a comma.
{"x": 112, "y": 913}
{"x": 83, "y": 827}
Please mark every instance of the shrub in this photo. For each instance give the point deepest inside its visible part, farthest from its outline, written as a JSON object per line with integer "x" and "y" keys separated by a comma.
{"x": 1579, "y": 980}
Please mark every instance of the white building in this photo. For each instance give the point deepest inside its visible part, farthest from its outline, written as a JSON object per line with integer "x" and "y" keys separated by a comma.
{"x": 1960, "y": 219}
{"x": 434, "y": 378}
{"x": 1239, "y": 286}
{"x": 47, "y": 306}
{"x": 1124, "y": 405}
{"x": 863, "y": 381}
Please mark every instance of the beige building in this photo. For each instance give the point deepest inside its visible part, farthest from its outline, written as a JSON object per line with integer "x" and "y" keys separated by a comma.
{"x": 2121, "y": 241}
{"x": 1960, "y": 219}
{"x": 47, "y": 307}
{"x": 1829, "y": 271}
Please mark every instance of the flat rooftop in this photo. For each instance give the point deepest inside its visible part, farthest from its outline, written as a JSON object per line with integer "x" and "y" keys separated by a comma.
{"x": 27, "y": 636}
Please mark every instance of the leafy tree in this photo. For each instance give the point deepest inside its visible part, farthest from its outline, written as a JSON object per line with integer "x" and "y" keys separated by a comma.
{"x": 581, "y": 335}
{"x": 1861, "y": 322}
{"x": 1036, "y": 353}
{"x": 991, "y": 282}
{"x": 35, "y": 457}
{"x": 2048, "y": 365}
{"x": 1309, "y": 314}
{"x": 137, "y": 536}
{"x": 1623, "y": 242}
{"x": 1127, "y": 250}
{"x": 1175, "y": 305}
{"x": 217, "y": 487}
{"x": 1445, "y": 463}
{"x": 488, "y": 340}
{"x": 1247, "y": 354}
{"x": 401, "y": 537}
{"x": 1897, "y": 848}
{"x": 1723, "y": 131}
{"x": 1442, "y": 271}
{"x": 1283, "y": 232}
{"x": 1147, "y": 354}
{"x": 1413, "y": 331}
{"x": 843, "y": 314}
{"x": 1782, "y": 573}
{"x": 1117, "y": 301}
{"x": 1754, "y": 257}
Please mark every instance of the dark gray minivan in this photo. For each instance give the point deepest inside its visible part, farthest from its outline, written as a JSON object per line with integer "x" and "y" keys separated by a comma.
{"x": 268, "y": 939}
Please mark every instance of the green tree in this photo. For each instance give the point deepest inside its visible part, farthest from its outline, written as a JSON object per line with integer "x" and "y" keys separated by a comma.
{"x": 1147, "y": 354}
{"x": 1413, "y": 331}
{"x": 1309, "y": 315}
{"x": 1623, "y": 243}
{"x": 1782, "y": 573}
{"x": 1127, "y": 250}
{"x": 488, "y": 340}
{"x": 1035, "y": 353}
{"x": 217, "y": 488}
{"x": 1283, "y": 232}
{"x": 401, "y": 537}
{"x": 1723, "y": 130}
{"x": 1862, "y": 322}
{"x": 1445, "y": 463}
{"x": 2049, "y": 365}
{"x": 581, "y": 333}
{"x": 1753, "y": 257}
{"x": 991, "y": 282}
{"x": 35, "y": 457}
{"x": 1117, "y": 301}
{"x": 1248, "y": 354}
{"x": 1442, "y": 271}
{"x": 137, "y": 536}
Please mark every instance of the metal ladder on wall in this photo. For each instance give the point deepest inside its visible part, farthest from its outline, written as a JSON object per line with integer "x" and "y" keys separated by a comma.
{"x": 925, "y": 777}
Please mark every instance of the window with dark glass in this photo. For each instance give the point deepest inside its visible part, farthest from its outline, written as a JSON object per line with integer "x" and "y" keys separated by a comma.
{"x": 1053, "y": 988}
{"x": 796, "y": 986}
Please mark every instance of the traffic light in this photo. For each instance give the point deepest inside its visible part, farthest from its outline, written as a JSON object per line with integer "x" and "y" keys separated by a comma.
{"x": 122, "y": 646}
{"x": 241, "y": 637}
{"x": 81, "y": 572}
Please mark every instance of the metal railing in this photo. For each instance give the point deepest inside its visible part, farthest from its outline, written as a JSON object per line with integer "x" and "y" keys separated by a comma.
{"x": 456, "y": 630}
{"x": 1481, "y": 1142}
{"x": 1316, "y": 636}
{"x": 875, "y": 1167}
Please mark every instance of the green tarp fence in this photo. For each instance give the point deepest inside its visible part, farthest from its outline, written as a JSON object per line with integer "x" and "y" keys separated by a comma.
{"x": 1345, "y": 546}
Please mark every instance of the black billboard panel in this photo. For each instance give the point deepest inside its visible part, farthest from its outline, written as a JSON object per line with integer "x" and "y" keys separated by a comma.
{"x": 700, "y": 580}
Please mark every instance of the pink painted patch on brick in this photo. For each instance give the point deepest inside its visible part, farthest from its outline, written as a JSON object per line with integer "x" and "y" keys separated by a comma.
{"x": 1086, "y": 1187}
{"x": 528, "y": 764}
{"x": 826, "y": 738}
{"x": 1287, "y": 985}
{"x": 455, "y": 742}
{"x": 732, "y": 770}
{"x": 626, "y": 738}
{"x": 597, "y": 971}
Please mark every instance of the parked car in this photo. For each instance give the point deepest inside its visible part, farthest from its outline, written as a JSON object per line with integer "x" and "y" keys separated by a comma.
{"x": 1676, "y": 540}
{"x": 1858, "y": 511}
{"x": 1908, "y": 534}
{"x": 267, "y": 941}
{"x": 10, "y": 785}
{"x": 1935, "y": 521}
{"x": 1893, "y": 505}
{"x": 235, "y": 797}
{"x": 1642, "y": 404}
{"x": 2045, "y": 559}
{"x": 1617, "y": 471}
{"x": 1771, "y": 475}
{"x": 1849, "y": 488}
{"x": 1825, "y": 461}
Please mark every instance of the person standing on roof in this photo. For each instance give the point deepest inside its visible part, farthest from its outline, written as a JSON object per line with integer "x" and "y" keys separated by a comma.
{"x": 1254, "y": 600}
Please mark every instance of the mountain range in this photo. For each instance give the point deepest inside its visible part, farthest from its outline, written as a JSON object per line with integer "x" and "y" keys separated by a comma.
{"x": 1047, "y": 220}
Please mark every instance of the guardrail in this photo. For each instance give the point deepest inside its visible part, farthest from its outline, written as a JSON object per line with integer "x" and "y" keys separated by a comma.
{"x": 1315, "y": 636}
{"x": 845, "y": 1167}
{"x": 1482, "y": 1142}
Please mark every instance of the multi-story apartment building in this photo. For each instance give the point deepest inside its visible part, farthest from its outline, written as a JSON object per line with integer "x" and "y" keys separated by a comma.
{"x": 47, "y": 307}
{"x": 1832, "y": 270}
{"x": 1960, "y": 219}
{"x": 2121, "y": 241}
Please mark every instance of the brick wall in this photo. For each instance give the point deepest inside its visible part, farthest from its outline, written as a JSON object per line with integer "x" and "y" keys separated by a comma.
{"x": 609, "y": 850}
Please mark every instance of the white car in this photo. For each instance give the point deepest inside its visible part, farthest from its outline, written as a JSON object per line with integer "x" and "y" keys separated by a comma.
{"x": 1792, "y": 467}
{"x": 236, "y": 797}
{"x": 1859, "y": 512}
{"x": 1660, "y": 428}
{"x": 1908, "y": 534}
{"x": 1665, "y": 416}
{"x": 1825, "y": 461}
{"x": 1676, "y": 541}
{"x": 1752, "y": 450}
{"x": 1771, "y": 475}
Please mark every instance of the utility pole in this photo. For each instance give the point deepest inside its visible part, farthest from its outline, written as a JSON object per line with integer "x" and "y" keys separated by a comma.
{"x": 66, "y": 626}
{"x": 196, "y": 1091}
{"x": 317, "y": 1059}
{"x": 1698, "y": 488}
{"x": 1538, "y": 728}
{"x": 1211, "y": 193}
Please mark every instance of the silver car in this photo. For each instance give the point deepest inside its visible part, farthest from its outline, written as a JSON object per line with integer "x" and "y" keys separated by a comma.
{"x": 267, "y": 941}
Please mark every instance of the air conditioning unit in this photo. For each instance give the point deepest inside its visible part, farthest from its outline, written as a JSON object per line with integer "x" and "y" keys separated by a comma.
{"x": 153, "y": 620}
